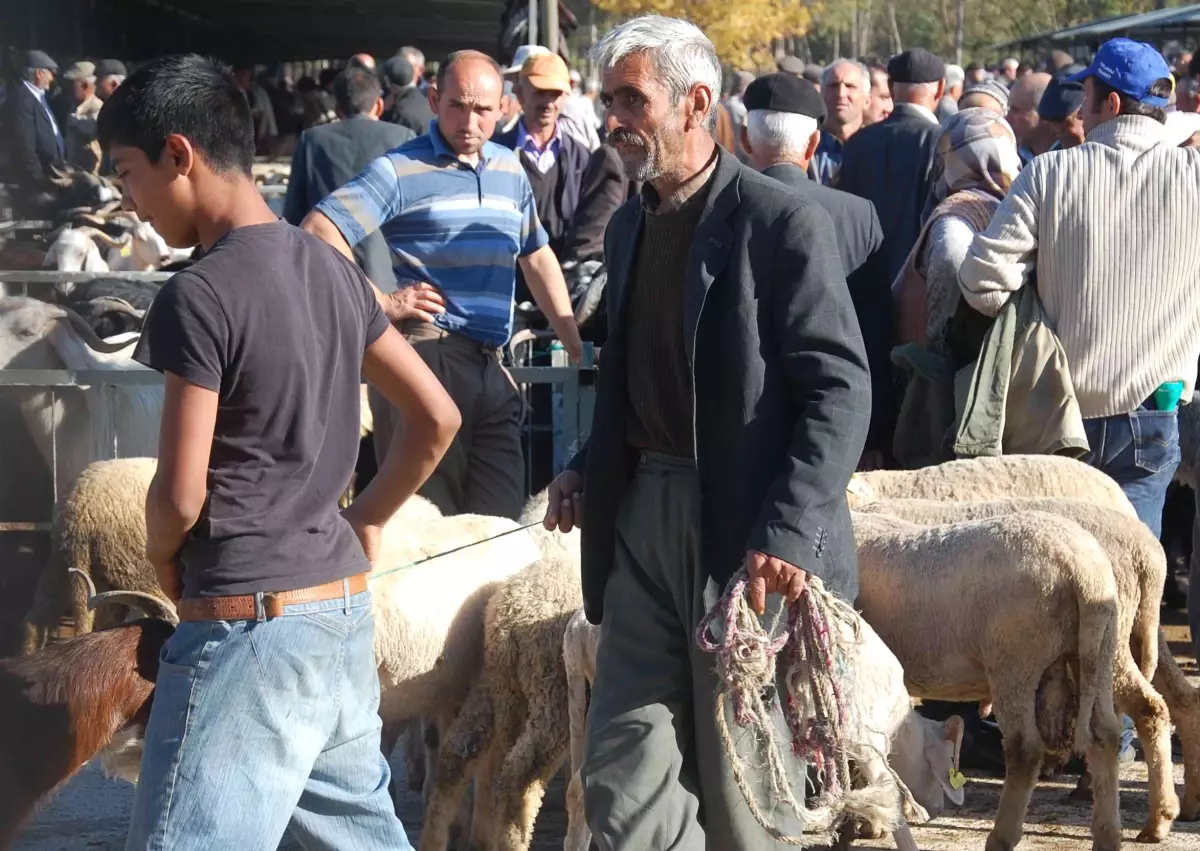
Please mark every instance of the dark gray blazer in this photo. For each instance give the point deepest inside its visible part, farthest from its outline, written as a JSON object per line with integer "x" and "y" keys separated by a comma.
{"x": 780, "y": 380}
{"x": 860, "y": 240}
{"x": 329, "y": 156}
{"x": 891, "y": 165}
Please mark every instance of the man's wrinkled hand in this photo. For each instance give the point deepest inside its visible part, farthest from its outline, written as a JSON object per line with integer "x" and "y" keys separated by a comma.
{"x": 416, "y": 301}
{"x": 770, "y": 575}
{"x": 564, "y": 506}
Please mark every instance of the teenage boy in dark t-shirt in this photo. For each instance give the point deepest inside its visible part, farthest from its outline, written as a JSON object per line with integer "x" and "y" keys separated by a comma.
{"x": 265, "y": 710}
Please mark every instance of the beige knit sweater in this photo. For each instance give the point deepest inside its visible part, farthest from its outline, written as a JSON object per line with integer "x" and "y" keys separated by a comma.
{"x": 1112, "y": 226}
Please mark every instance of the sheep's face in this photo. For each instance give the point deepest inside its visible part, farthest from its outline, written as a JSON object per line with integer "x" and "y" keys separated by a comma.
{"x": 925, "y": 755}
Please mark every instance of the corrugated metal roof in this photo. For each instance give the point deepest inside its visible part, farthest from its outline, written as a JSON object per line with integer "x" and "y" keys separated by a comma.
{"x": 1144, "y": 23}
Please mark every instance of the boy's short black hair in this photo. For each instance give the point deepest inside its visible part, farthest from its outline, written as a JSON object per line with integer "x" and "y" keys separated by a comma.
{"x": 189, "y": 96}
{"x": 355, "y": 90}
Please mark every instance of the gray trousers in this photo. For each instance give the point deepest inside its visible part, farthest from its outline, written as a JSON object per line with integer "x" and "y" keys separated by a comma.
{"x": 655, "y": 774}
{"x": 483, "y": 471}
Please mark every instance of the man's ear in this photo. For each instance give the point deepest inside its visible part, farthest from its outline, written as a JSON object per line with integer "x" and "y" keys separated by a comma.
{"x": 813, "y": 142}
{"x": 377, "y": 109}
{"x": 745, "y": 139}
{"x": 702, "y": 104}
{"x": 941, "y": 90}
{"x": 432, "y": 95}
{"x": 179, "y": 154}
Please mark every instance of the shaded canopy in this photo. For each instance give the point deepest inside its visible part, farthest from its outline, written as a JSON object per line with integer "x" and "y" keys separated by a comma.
{"x": 1179, "y": 22}
{"x": 250, "y": 30}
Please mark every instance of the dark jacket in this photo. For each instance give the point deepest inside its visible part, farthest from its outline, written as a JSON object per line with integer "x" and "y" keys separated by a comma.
{"x": 860, "y": 241}
{"x": 411, "y": 110}
{"x": 35, "y": 146}
{"x": 890, "y": 164}
{"x": 328, "y": 157}
{"x": 604, "y": 189}
{"x": 573, "y": 156}
{"x": 782, "y": 396}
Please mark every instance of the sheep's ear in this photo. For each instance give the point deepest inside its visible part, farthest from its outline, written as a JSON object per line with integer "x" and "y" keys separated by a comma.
{"x": 941, "y": 753}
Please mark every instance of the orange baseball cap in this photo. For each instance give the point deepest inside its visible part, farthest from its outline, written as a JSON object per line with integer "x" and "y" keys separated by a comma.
{"x": 547, "y": 71}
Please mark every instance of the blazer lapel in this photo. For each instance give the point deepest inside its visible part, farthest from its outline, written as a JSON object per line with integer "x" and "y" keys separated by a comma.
{"x": 710, "y": 246}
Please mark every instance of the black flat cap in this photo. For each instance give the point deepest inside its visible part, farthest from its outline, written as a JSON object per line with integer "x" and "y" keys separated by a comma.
{"x": 111, "y": 68}
{"x": 784, "y": 92}
{"x": 1061, "y": 99}
{"x": 398, "y": 71}
{"x": 916, "y": 66}
{"x": 41, "y": 60}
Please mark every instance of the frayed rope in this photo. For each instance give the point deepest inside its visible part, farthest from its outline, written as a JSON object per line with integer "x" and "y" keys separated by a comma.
{"x": 814, "y": 706}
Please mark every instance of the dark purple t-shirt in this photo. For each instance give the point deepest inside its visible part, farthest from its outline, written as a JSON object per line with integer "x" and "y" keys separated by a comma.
{"x": 276, "y": 322}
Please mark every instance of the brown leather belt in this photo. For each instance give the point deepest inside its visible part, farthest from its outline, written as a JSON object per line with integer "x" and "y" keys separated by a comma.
{"x": 245, "y": 607}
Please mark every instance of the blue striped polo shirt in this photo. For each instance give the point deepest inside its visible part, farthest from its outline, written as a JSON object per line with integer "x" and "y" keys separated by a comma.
{"x": 448, "y": 224}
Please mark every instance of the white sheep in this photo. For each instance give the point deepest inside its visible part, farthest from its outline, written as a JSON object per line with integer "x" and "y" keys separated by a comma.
{"x": 1139, "y": 568}
{"x": 975, "y": 479}
{"x": 1005, "y": 609}
{"x": 512, "y": 732}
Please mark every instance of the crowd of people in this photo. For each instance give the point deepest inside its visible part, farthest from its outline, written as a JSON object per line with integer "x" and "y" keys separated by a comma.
{"x": 803, "y": 272}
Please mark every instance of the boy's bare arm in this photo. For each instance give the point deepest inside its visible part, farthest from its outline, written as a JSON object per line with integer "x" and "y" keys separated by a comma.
{"x": 431, "y": 419}
{"x": 180, "y": 485}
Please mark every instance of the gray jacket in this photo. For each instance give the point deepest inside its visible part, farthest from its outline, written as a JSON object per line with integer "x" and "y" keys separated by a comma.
{"x": 782, "y": 392}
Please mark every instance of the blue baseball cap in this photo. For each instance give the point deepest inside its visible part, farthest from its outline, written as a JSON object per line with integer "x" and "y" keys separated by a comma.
{"x": 1130, "y": 67}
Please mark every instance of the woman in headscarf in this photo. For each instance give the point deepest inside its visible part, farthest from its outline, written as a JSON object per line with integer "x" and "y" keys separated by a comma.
{"x": 975, "y": 165}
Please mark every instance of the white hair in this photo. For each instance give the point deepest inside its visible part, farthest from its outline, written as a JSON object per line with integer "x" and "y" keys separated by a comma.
{"x": 785, "y": 133}
{"x": 955, "y": 75}
{"x": 827, "y": 74}
{"x": 681, "y": 54}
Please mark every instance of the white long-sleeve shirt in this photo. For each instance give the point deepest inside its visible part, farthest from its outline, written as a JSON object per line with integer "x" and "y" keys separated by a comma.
{"x": 1110, "y": 227}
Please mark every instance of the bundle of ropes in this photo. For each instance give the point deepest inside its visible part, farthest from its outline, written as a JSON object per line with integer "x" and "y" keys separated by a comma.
{"x": 814, "y": 704}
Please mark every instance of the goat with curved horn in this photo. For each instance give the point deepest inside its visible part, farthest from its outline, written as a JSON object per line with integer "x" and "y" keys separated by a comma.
{"x": 89, "y": 336}
{"x": 87, "y": 581}
{"x": 152, "y": 606}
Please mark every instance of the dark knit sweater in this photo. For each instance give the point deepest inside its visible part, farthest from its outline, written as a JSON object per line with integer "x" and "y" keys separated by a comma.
{"x": 547, "y": 194}
{"x": 659, "y": 378}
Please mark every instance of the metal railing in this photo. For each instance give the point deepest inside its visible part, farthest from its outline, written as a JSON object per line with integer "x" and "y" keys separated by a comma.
{"x": 572, "y": 394}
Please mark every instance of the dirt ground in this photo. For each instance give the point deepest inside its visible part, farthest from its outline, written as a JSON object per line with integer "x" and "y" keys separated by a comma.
{"x": 91, "y": 813}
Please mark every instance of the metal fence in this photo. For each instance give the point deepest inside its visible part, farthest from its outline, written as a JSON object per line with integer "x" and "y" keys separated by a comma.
{"x": 571, "y": 392}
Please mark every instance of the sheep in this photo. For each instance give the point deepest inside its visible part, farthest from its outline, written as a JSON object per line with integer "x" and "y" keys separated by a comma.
{"x": 1139, "y": 568}
{"x": 74, "y": 701}
{"x": 511, "y": 731}
{"x": 977, "y": 479}
{"x": 1005, "y": 609}
{"x": 73, "y": 250}
{"x": 99, "y": 530}
{"x": 579, "y": 661}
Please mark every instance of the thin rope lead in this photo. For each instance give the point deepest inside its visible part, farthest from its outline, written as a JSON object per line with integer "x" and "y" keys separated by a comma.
{"x": 410, "y": 565}
{"x": 814, "y": 706}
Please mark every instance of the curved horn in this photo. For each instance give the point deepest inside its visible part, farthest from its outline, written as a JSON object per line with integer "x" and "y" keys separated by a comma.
{"x": 153, "y": 606}
{"x": 101, "y": 237}
{"x": 115, "y": 304}
{"x": 89, "y": 336}
{"x": 87, "y": 580}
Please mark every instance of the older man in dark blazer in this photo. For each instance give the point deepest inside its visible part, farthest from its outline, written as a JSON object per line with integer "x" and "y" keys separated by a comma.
{"x": 36, "y": 140}
{"x": 329, "y": 156}
{"x": 732, "y": 407}
{"x": 781, "y": 133}
{"x": 890, "y": 163}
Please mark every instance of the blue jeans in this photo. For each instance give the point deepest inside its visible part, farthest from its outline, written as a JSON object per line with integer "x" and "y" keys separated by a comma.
{"x": 258, "y": 727}
{"x": 1140, "y": 451}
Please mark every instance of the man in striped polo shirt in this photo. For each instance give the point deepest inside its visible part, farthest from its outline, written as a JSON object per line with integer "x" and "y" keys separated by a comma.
{"x": 458, "y": 214}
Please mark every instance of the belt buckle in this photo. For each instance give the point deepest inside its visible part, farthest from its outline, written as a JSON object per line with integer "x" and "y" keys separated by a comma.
{"x": 271, "y": 606}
